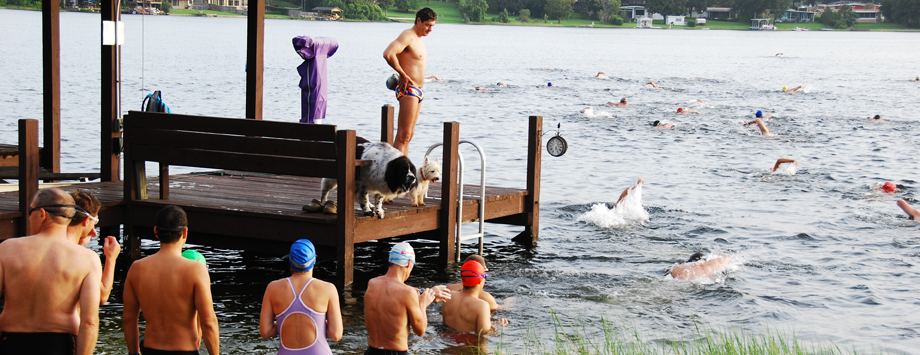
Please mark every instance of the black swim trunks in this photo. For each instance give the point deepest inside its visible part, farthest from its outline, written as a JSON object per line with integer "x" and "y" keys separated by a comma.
{"x": 38, "y": 343}
{"x": 149, "y": 351}
{"x": 373, "y": 351}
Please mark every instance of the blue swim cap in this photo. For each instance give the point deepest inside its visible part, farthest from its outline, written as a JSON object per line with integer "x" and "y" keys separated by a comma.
{"x": 549, "y": 84}
{"x": 303, "y": 255}
{"x": 758, "y": 114}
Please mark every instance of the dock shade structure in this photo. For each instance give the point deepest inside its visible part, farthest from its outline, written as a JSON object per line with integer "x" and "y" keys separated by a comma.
{"x": 313, "y": 91}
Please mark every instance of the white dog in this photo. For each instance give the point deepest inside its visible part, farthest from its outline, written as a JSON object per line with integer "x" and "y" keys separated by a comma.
{"x": 429, "y": 173}
{"x": 390, "y": 174}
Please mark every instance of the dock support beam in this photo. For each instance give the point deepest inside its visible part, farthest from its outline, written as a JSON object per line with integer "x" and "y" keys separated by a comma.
{"x": 386, "y": 123}
{"x": 532, "y": 203}
{"x": 447, "y": 221}
{"x": 28, "y": 171}
{"x": 111, "y": 133}
{"x": 51, "y": 96}
{"x": 255, "y": 45}
{"x": 345, "y": 219}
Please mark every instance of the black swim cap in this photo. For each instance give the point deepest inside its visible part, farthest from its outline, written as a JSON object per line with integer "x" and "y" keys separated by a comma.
{"x": 655, "y": 124}
{"x": 695, "y": 257}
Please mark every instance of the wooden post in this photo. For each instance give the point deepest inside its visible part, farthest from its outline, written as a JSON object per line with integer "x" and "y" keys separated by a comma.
{"x": 255, "y": 45}
{"x": 532, "y": 202}
{"x": 447, "y": 221}
{"x": 164, "y": 181}
{"x": 345, "y": 219}
{"x": 51, "y": 96}
{"x": 386, "y": 123}
{"x": 133, "y": 178}
{"x": 28, "y": 171}
{"x": 109, "y": 169}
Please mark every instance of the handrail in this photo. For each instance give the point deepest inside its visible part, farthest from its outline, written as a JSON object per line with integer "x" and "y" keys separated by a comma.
{"x": 482, "y": 196}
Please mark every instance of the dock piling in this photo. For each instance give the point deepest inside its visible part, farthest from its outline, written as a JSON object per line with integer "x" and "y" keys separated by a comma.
{"x": 447, "y": 220}
{"x": 28, "y": 171}
{"x": 532, "y": 202}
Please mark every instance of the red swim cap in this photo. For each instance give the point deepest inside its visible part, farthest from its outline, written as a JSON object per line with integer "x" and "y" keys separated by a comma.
{"x": 889, "y": 187}
{"x": 472, "y": 273}
{"x": 680, "y": 109}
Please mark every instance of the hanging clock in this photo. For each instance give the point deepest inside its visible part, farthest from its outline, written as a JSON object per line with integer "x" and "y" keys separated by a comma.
{"x": 557, "y": 146}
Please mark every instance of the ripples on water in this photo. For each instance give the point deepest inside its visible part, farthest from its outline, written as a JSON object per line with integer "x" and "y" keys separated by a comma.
{"x": 820, "y": 252}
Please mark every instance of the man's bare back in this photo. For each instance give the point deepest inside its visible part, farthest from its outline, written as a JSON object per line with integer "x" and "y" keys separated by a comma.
{"x": 388, "y": 305}
{"x": 465, "y": 312}
{"x": 46, "y": 277}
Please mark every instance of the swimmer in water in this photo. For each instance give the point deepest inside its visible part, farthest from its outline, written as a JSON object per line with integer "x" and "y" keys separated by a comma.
{"x": 549, "y": 85}
{"x": 433, "y": 77}
{"x": 683, "y": 111}
{"x": 763, "y": 127}
{"x": 782, "y": 161}
{"x": 501, "y": 84}
{"x": 696, "y": 267}
{"x": 465, "y": 311}
{"x": 601, "y": 75}
{"x": 778, "y": 55}
{"x": 888, "y": 187}
{"x": 626, "y": 192}
{"x": 912, "y": 213}
{"x": 759, "y": 114}
{"x": 658, "y": 124}
{"x": 587, "y": 110}
{"x": 652, "y": 83}
{"x": 622, "y": 103}
{"x": 791, "y": 90}
{"x": 481, "y": 89}
{"x": 875, "y": 119}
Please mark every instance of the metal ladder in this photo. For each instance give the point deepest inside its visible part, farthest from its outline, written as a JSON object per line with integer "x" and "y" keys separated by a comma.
{"x": 482, "y": 197}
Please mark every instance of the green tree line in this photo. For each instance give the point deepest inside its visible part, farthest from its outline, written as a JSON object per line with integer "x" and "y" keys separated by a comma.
{"x": 905, "y": 12}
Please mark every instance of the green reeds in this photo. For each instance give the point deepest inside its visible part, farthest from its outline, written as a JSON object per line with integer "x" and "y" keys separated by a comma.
{"x": 576, "y": 338}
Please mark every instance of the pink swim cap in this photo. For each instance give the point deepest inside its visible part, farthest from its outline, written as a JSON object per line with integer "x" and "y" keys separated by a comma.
{"x": 889, "y": 187}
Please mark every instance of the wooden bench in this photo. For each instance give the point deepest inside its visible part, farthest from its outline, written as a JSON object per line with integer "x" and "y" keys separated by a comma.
{"x": 254, "y": 146}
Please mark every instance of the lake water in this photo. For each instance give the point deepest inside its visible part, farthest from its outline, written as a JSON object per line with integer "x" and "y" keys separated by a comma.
{"x": 818, "y": 251}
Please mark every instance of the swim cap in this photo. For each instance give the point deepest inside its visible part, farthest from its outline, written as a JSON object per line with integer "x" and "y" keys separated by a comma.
{"x": 889, "y": 187}
{"x": 877, "y": 117}
{"x": 401, "y": 254}
{"x": 392, "y": 81}
{"x": 680, "y": 109}
{"x": 303, "y": 255}
{"x": 759, "y": 114}
{"x": 623, "y": 100}
{"x": 784, "y": 89}
{"x": 472, "y": 273}
{"x": 695, "y": 257}
{"x": 655, "y": 124}
{"x": 194, "y": 255}
{"x": 549, "y": 84}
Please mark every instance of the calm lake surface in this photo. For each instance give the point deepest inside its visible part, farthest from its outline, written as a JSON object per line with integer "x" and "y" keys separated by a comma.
{"x": 817, "y": 252}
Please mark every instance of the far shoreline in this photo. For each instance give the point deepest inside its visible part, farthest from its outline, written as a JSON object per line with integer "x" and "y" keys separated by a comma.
{"x": 568, "y": 23}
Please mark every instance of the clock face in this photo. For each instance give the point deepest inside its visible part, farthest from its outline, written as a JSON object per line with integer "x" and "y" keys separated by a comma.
{"x": 556, "y": 146}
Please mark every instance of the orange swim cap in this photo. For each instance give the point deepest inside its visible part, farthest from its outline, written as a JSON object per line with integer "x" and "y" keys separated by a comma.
{"x": 889, "y": 187}
{"x": 680, "y": 109}
{"x": 472, "y": 273}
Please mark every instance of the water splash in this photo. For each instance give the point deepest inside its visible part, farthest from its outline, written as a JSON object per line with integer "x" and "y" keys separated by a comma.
{"x": 629, "y": 209}
{"x": 589, "y": 112}
{"x": 787, "y": 169}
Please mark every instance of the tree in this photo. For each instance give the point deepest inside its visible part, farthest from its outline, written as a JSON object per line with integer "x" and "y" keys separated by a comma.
{"x": 905, "y": 12}
{"x": 406, "y": 5}
{"x": 558, "y": 9}
{"x": 385, "y": 5}
{"x": 667, "y": 7}
{"x": 604, "y": 10}
{"x": 698, "y": 5}
{"x": 166, "y": 7}
{"x": 503, "y": 16}
{"x": 524, "y": 15}
{"x": 848, "y": 16}
{"x": 475, "y": 10}
{"x": 748, "y": 9}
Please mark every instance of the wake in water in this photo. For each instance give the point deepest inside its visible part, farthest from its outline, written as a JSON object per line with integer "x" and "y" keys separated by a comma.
{"x": 589, "y": 112}
{"x": 627, "y": 209}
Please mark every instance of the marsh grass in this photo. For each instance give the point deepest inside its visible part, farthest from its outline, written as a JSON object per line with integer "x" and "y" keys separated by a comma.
{"x": 575, "y": 338}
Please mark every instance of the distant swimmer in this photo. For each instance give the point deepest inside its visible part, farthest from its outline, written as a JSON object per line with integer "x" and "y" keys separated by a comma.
{"x": 626, "y": 192}
{"x": 433, "y": 77}
{"x": 683, "y": 111}
{"x": 888, "y": 187}
{"x": 791, "y": 90}
{"x": 658, "y": 124}
{"x": 697, "y": 268}
{"x": 549, "y": 85}
{"x": 759, "y": 114}
{"x": 763, "y": 127}
{"x": 481, "y": 89}
{"x": 622, "y": 103}
{"x": 912, "y": 213}
{"x": 875, "y": 119}
{"x": 778, "y": 55}
{"x": 501, "y": 84}
{"x": 917, "y": 78}
{"x": 601, "y": 75}
{"x": 652, "y": 83}
{"x": 782, "y": 161}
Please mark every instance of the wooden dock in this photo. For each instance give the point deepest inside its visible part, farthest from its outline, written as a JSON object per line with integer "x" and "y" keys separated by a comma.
{"x": 258, "y": 211}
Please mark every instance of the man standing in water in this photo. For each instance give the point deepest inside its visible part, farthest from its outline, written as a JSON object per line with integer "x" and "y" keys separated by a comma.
{"x": 408, "y": 56}
{"x": 170, "y": 290}
{"x": 44, "y": 279}
{"x": 390, "y": 306}
{"x": 466, "y": 311}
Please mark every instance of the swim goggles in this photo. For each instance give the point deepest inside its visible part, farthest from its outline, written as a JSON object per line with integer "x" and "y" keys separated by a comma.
{"x": 473, "y": 274}
{"x": 60, "y": 214}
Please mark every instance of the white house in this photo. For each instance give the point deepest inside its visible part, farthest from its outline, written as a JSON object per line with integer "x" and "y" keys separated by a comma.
{"x": 676, "y": 20}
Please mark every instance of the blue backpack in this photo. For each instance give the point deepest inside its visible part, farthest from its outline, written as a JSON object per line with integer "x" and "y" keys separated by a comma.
{"x": 155, "y": 103}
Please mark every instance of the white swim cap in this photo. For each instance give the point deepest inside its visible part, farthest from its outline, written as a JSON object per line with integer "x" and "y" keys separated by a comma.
{"x": 402, "y": 254}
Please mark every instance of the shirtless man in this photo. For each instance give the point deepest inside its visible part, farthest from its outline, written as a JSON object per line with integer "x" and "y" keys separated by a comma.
{"x": 391, "y": 307}
{"x": 83, "y": 227}
{"x": 622, "y": 103}
{"x": 658, "y": 124}
{"x": 44, "y": 278}
{"x": 483, "y": 295}
{"x": 407, "y": 55}
{"x": 466, "y": 312}
{"x": 697, "y": 268}
{"x": 169, "y": 289}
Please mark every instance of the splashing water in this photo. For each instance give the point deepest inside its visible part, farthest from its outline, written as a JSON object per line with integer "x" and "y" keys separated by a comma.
{"x": 786, "y": 169}
{"x": 591, "y": 113}
{"x": 628, "y": 210}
